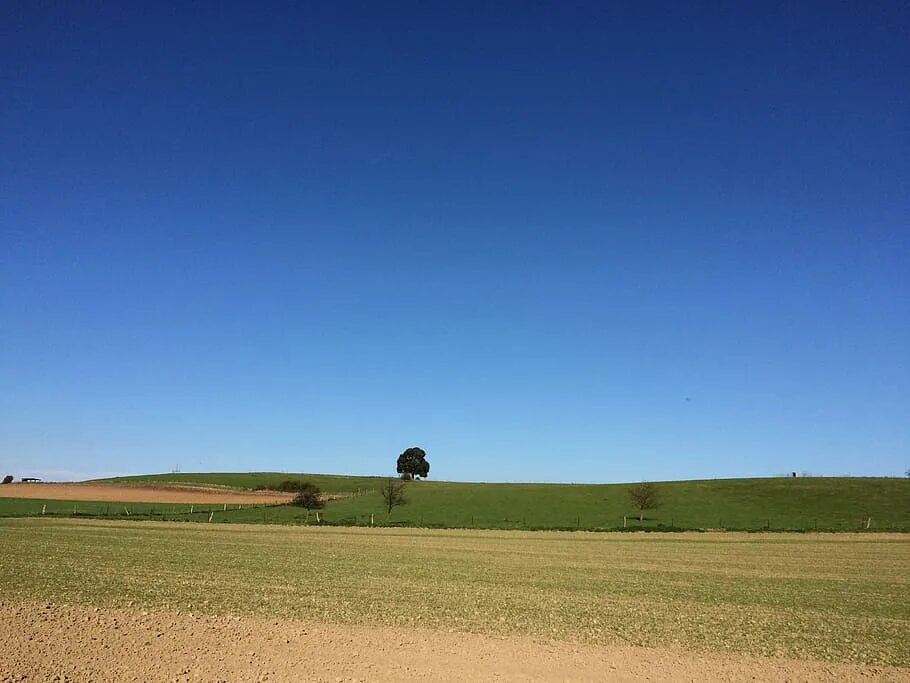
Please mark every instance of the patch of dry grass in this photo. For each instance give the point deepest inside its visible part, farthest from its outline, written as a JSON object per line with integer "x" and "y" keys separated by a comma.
{"x": 836, "y": 597}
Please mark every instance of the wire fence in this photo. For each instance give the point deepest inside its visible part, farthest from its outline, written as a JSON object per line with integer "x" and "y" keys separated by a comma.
{"x": 294, "y": 515}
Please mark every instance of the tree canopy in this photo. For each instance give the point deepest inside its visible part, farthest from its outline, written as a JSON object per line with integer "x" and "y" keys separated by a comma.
{"x": 413, "y": 463}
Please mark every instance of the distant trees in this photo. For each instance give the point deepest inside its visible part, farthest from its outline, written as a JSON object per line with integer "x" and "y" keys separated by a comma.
{"x": 392, "y": 492}
{"x": 8, "y": 479}
{"x": 413, "y": 463}
{"x": 644, "y": 497}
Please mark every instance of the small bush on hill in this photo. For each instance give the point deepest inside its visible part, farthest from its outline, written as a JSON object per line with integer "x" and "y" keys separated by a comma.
{"x": 309, "y": 496}
{"x": 8, "y": 479}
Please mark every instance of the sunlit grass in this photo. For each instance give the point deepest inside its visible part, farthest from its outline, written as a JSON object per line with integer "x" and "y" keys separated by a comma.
{"x": 823, "y": 503}
{"x": 838, "y": 597}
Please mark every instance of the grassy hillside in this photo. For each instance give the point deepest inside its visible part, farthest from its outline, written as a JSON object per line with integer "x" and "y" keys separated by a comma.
{"x": 35, "y": 507}
{"x": 836, "y": 503}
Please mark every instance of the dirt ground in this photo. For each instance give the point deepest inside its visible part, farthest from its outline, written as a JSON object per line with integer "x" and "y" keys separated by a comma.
{"x": 139, "y": 494}
{"x": 45, "y": 642}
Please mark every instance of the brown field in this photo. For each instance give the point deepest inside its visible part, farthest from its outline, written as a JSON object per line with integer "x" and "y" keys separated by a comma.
{"x": 124, "y": 493}
{"x": 44, "y": 641}
{"x": 169, "y": 601}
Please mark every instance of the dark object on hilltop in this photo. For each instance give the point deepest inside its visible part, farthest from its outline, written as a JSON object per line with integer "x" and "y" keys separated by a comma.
{"x": 644, "y": 497}
{"x": 392, "y": 494}
{"x": 413, "y": 463}
{"x": 309, "y": 496}
{"x": 30, "y": 480}
{"x": 8, "y": 479}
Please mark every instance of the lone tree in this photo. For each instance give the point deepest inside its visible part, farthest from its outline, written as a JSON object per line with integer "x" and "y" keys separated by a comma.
{"x": 8, "y": 479}
{"x": 310, "y": 497}
{"x": 644, "y": 497}
{"x": 392, "y": 494}
{"x": 413, "y": 463}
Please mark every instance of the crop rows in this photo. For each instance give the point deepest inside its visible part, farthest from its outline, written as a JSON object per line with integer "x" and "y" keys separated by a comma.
{"x": 838, "y": 597}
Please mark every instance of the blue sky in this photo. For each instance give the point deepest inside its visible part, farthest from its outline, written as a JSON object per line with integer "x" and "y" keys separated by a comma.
{"x": 581, "y": 242}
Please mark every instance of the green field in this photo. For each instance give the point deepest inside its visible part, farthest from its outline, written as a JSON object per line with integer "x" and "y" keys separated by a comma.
{"x": 30, "y": 507}
{"x": 841, "y": 597}
{"x": 824, "y": 503}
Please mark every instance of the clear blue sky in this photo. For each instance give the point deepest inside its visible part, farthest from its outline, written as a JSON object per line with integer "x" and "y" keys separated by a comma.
{"x": 567, "y": 242}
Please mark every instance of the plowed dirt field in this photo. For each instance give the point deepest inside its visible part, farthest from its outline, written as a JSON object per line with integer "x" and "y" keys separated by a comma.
{"x": 52, "y": 642}
{"x": 120, "y": 493}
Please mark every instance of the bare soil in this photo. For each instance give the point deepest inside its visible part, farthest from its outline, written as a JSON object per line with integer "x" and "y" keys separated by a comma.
{"x": 127, "y": 493}
{"x": 45, "y": 642}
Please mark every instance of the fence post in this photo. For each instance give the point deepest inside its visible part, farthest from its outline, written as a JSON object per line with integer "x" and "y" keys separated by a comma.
{"x": 44, "y": 508}
{"x": 211, "y": 514}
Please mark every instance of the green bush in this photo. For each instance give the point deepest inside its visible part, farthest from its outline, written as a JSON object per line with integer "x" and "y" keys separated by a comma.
{"x": 309, "y": 497}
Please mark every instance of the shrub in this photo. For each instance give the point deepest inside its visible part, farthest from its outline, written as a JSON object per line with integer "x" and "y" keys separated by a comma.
{"x": 8, "y": 479}
{"x": 309, "y": 496}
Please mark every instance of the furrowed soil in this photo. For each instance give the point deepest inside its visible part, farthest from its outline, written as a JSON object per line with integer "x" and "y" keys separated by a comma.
{"x": 124, "y": 600}
{"x": 44, "y": 642}
{"x": 128, "y": 493}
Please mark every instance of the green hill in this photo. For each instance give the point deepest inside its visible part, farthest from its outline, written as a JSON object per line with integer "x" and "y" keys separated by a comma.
{"x": 825, "y": 503}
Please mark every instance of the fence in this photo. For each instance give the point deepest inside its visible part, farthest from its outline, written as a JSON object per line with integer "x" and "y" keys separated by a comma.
{"x": 287, "y": 514}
